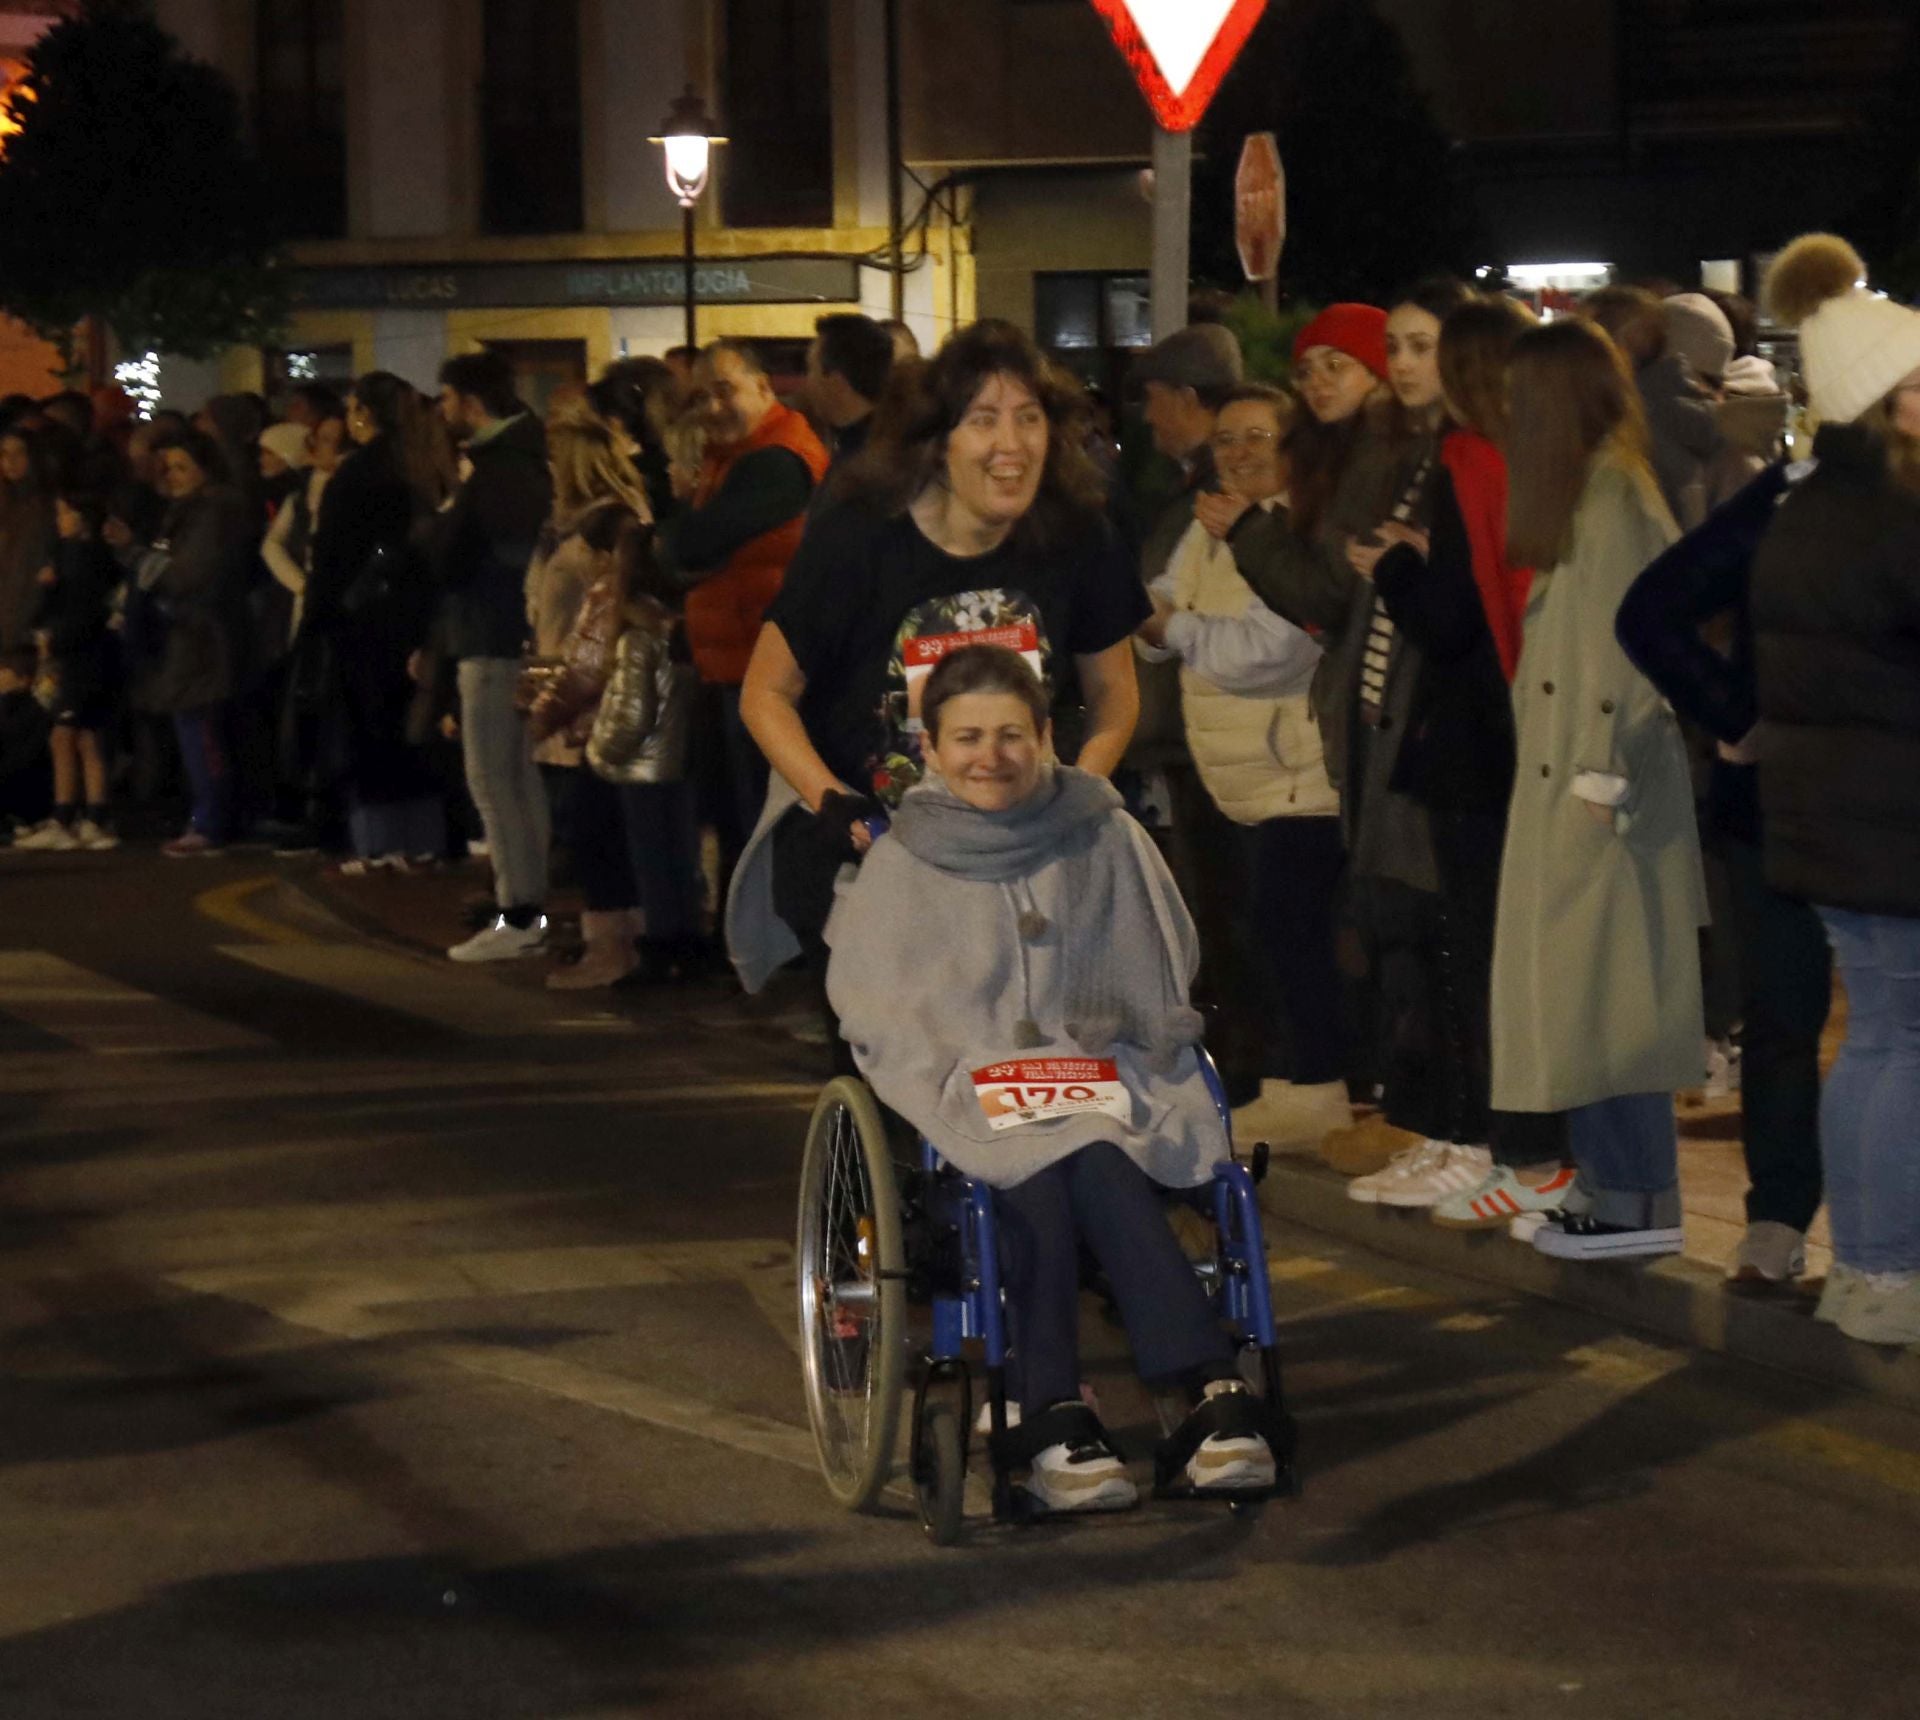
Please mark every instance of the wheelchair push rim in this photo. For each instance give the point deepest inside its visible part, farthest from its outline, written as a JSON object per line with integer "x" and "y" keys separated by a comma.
{"x": 852, "y": 1293}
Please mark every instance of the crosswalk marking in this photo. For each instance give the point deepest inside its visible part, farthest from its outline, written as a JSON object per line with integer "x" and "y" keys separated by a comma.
{"x": 444, "y": 995}
{"x": 102, "y": 1016}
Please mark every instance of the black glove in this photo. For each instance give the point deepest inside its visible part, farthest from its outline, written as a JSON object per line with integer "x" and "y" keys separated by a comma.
{"x": 838, "y": 814}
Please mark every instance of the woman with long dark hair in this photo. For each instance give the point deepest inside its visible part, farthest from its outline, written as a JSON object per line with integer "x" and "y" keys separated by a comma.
{"x": 975, "y": 516}
{"x": 185, "y": 625}
{"x": 369, "y": 603}
{"x": 1596, "y": 972}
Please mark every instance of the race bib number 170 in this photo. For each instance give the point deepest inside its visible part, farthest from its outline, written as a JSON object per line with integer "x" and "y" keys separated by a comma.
{"x": 1037, "y": 1090}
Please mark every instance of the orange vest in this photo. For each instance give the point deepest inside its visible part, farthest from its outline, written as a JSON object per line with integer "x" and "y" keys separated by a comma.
{"x": 724, "y": 611}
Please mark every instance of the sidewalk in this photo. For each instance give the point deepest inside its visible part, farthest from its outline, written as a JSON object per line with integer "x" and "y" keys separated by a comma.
{"x": 1683, "y": 1299}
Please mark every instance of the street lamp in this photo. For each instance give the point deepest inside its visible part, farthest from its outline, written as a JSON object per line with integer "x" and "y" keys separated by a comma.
{"x": 688, "y": 135}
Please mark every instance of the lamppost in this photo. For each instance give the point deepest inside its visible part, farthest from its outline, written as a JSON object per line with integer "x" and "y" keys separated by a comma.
{"x": 688, "y": 135}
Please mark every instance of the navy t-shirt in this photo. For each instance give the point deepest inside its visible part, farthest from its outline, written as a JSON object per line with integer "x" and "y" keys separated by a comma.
{"x": 870, "y": 605}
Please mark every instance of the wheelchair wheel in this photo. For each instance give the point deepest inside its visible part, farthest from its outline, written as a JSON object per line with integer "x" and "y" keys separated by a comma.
{"x": 853, "y": 1299}
{"x": 940, "y": 1474}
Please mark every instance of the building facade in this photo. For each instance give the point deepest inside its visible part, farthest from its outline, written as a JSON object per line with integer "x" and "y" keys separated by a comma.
{"x": 459, "y": 173}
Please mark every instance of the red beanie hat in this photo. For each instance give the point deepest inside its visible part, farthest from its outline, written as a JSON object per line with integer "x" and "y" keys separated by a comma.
{"x": 1360, "y": 331}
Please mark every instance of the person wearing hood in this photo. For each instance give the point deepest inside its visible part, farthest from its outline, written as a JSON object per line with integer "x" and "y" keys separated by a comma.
{"x": 1683, "y": 434}
{"x": 485, "y": 546}
{"x": 1835, "y": 602}
{"x": 1748, "y": 405}
{"x": 1061, "y": 941}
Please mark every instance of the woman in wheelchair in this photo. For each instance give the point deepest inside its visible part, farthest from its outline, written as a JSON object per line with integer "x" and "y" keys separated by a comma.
{"x": 1010, "y": 969}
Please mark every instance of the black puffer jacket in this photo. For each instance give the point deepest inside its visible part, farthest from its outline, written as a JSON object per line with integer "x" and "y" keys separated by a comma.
{"x": 1836, "y": 620}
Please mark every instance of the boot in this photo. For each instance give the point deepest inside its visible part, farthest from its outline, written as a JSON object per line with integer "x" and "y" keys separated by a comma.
{"x": 609, "y": 956}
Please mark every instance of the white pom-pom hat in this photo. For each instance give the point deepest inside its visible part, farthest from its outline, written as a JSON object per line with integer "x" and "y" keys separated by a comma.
{"x": 1856, "y": 346}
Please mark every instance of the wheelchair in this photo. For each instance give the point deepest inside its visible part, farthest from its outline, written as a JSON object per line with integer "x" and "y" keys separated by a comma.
{"x": 874, "y": 1240}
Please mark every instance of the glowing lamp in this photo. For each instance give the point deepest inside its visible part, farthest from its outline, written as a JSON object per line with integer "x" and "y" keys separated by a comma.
{"x": 688, "y": 136}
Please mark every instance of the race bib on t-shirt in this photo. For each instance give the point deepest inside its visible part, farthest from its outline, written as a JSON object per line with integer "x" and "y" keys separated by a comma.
{"x": 1039, "y": 1089}
{"x": 929, "y": 632}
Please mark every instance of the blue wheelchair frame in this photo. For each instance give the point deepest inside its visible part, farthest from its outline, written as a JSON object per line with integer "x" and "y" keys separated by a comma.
{"x": 972, "y": 1307}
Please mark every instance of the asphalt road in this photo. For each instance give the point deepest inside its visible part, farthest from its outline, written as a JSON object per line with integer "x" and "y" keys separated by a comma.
{"x": 380, "y": 1340}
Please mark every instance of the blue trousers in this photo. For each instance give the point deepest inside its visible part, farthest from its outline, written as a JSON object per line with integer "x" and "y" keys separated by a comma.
{"x": 1100, "y": 1197}
{"x": 1870, "y": 1108}
{"x": 663, "y": 846}
{"x": 208, "y": 762}
{"x": 1628, "y": 1151}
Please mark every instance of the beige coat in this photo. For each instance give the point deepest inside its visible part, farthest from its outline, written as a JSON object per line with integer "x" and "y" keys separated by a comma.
{"x": 1596, "y": 962}
{"x": 1255, "y": 742}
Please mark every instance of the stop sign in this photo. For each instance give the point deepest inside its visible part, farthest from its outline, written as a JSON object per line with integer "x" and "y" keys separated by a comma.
{"x": 1179, "y": 50}
{"x": 1260, "y": 206}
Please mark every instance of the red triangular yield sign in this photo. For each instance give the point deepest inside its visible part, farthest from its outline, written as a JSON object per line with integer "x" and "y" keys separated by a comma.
{"x": 1180, "y": 49}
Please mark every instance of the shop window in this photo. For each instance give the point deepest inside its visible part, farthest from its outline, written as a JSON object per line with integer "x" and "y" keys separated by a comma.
{"x": 301, "y": 112}
{"x": 542, "y": 368}
{"x": 776, "y": 104}
{"x": 530, "y": 117}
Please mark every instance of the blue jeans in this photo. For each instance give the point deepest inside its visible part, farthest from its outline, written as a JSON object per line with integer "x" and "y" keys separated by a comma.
{"x": 1100, "y": 1197}
{"x": 1870, "y": 1108}
{"x": 209, "y": 766}
{"x": 663, "y": 845}
{"x": 1628, "y": 1151}
{"x": 504, "y": 781}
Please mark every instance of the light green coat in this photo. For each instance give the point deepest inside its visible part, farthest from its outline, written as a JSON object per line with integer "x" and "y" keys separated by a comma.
{"x": 1596, "y": 961}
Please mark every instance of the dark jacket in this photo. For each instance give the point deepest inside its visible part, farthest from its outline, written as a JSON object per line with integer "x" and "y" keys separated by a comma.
{"x": 193, "y": 579}
{"x": 1705, "y": 575}
{"x": 74, "y": 614}
{"x": 490, "y": 535}
{"x": 1458, "y": 750}
{"x": 1836, "y": 628}
{"x": 370, "y": 602}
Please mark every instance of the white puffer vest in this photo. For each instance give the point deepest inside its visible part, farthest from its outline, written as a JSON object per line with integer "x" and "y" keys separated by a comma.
{"x": 1259, "y": 758}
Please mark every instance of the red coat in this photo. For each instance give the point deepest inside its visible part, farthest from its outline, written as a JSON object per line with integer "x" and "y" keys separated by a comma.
{"x": 724, "y": 611}
{"x": 1479, "y": 472}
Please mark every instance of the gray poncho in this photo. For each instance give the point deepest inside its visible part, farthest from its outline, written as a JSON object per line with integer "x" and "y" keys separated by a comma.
{"x": 970, "y": 939}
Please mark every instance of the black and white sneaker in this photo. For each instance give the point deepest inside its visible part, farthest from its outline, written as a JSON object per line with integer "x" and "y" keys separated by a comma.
{"x": 1084, "y": 1477}
{"x": 1580, "y": 1236}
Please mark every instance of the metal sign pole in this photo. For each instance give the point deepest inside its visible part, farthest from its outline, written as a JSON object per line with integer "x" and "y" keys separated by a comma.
{"x": 1172, "y": 224}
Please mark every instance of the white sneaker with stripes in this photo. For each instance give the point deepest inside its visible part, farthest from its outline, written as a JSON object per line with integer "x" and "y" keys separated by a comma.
{"x": 1500, "y": 1198}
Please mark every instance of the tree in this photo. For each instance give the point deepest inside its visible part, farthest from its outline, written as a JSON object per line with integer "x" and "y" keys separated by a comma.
{"x": 1374, "y": 197}
{"x": 128, "y": 194}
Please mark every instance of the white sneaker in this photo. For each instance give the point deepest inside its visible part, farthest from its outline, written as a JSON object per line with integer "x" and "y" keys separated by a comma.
{"x": 983, "y": 1422}
{"x": 1415, "y": 1160}
{"x": 1769, "y": 1253}
{"x": 48, "y": 836}
{"x": 95, "y": 838}
{"x": 1883, "y": 1308}
{"x": 1836, "y": 1293}
{"x": 1456, "y": 1170}
{"x": 1230, "y": 1464}
{"x": 1499, "y": 1198}
{"x": 1723, "y": 1069}
{"x": 1084, "y": 1477}
{"x": 501, "y": 942}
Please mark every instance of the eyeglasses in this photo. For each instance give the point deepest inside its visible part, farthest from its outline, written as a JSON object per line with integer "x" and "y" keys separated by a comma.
{"x": 1330, "y": 364}
{"x": 1227, "y": 441}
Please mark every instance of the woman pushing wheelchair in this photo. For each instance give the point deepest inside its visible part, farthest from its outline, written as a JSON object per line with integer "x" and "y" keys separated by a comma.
{"x": 1010, "y": 968}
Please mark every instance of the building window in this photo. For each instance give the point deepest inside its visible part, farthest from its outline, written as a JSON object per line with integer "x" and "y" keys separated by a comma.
{"x": 301, "y": 112}
{"x": 776, "y": 104}
{"x": 530, "y": 117}
{"x": 1093, "y": 323}
{"x": 542, "y": 368}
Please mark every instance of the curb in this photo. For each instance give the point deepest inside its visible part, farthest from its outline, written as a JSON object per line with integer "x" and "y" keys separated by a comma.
{"x": 1677, "y": 1299}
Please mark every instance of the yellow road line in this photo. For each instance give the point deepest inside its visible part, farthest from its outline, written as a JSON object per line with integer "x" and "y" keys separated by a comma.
{"x": 228, "y": 906}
